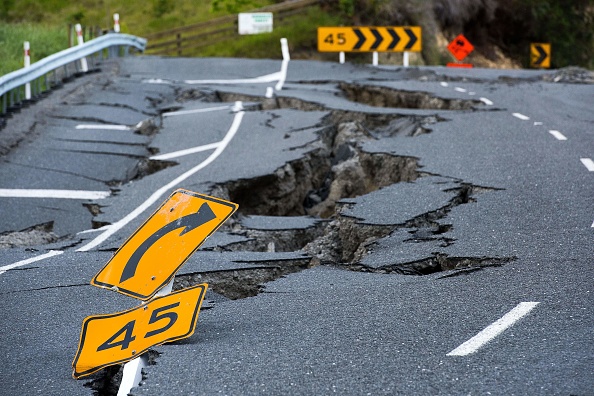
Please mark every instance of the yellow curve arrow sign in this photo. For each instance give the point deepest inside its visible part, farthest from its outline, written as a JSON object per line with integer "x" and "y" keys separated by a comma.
{"x": 149, "y": 259}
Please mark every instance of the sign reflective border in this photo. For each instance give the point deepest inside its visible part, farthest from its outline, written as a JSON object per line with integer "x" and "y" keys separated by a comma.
{"x": 460, "y": 47}
{"x": 149, "y": 259}
{"x": 117, "y": 338}
{"x": 540, "y": 55}
{"x": 369, "y": 39}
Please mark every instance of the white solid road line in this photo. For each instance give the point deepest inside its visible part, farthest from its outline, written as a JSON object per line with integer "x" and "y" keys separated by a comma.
{"x": 284, "y": 65}
{"x": 494, "y": 329}
{"x": 588, "y": 163}
{"x": 194, "y": 111}
{"x": 558, "y": 135}
{"x": 262, "y": 79}
{"x": 521, "y": 116}
{"x": 104, "y": 127}
{"x": 181, "y": 153}
{"x": 49, "y": 254}
{"x": 62, "y": 194}
{"x": 115, "y": 227}
{"x": 486, "y": 101}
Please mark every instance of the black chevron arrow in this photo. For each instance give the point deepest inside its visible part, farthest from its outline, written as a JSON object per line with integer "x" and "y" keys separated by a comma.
{"x": 412, "y": 38}
{"x": 188, "y": 223}
{"x": 361, "y": 38}
{"x": 395, "y": 39}
{"x": 378, "y": 39}
{"x": 542, "y": 55}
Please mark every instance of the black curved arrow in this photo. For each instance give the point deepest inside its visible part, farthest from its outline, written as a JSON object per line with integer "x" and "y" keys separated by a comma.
{"x": 378, "y": 39}
{"x": 412, "y": 38}
{"x": 361, "y": 38}
{"x": 542, "y": 55}
{"x": 189, "y": 223}
{"x": 395, "y": 39}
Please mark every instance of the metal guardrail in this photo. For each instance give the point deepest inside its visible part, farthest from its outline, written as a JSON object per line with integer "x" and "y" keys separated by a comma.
{"x": 185, "y": 39}
{"x": 11, "y": 83}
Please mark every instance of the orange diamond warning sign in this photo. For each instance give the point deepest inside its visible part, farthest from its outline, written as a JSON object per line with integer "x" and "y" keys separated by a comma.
{"x": 460, "y": 47}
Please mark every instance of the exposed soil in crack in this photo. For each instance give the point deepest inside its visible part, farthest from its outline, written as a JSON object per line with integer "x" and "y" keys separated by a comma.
{"x": 438, "y": 263}
{"x": 242, "y": 283}
{"x": 106, "y": 382}
{"x": 40, "y": 234}
{"x": 387, "y": 97}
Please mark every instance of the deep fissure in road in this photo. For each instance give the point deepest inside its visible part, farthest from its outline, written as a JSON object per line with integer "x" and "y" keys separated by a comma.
{"x": 315, "y": 184}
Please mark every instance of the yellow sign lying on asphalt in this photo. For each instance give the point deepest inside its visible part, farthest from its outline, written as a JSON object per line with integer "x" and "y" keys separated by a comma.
{"x": 149, "y": 259}
{"x": 540, "y": 55}
{"x": 369, "y": 39}
{"x": 117, "y": 338}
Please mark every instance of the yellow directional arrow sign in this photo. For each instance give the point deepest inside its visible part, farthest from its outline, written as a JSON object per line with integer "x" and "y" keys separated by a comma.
{"x": 149, "y": 259}
{"x": 540, "y": 55}
{"x": 369, "y": 39}
{"x": 117, "y": 338}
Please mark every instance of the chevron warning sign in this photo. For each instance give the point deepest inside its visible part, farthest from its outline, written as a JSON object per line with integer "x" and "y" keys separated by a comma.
{"x": 540, "y": 55}
{"x": 369, "y": 39}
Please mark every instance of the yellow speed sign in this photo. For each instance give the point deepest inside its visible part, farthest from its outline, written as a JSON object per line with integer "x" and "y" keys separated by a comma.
{"x": 117, "y": 338}
{"x": 369, "y": 39}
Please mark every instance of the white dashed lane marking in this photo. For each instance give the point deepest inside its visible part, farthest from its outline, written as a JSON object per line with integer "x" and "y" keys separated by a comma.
{"x": 588, "y": 163}
{"x": 494, "y": 329}
{"x": 558, "y": 135}
{"x": 521, "y": 116}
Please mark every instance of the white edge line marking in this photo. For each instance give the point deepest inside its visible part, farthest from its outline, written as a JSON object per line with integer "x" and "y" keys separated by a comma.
{"x": 494, "y": 329}
{"x": 115, "y": 227}
{"x": 284, "y": 64}
{"x": 521, "y": 116}
{"x": 558, "y": 135}
{"x": 105, "y": 227}
{"x": 592, "y": 226}
{"x": 205, "y": 110}
{"x": 181, "y": 153}
{"x": 486, "y": 101}
{"x": 104, "y": 127}
{"x": 49, "y": 254}
{"x": 459, "y": 89}
{"x": 262, "y": 79}
{"x": 66, "y": 194}
{"x": 588, "y": 163}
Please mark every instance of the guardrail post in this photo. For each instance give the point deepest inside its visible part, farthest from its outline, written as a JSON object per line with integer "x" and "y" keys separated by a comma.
{"x": 116, "y": 23}
{"x": 26, "y": 47}
{"x": 179, "y": 52}
{"x": 81, "y": 41}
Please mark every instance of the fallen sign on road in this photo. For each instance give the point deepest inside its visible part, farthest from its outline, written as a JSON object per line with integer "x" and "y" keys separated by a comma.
{"x": 149, "y": 259}
{"x": 144, "y": 264}
{"x": 369, "y": 39}
{"x": 116, "y": 338}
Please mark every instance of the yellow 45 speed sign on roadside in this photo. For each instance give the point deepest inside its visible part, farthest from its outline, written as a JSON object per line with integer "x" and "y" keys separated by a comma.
{"x": 117, "y": 338}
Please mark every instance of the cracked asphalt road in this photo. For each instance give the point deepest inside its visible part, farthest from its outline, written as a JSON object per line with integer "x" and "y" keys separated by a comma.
{"x": 440, "y": 211}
